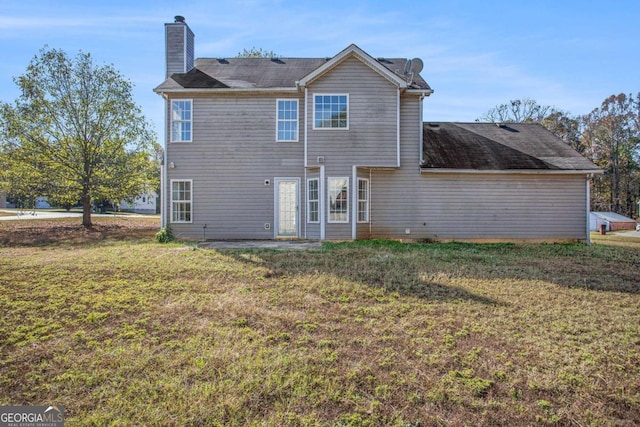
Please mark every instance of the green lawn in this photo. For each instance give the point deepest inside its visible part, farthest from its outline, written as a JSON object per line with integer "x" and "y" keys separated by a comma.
{"x": 124, "y": 331}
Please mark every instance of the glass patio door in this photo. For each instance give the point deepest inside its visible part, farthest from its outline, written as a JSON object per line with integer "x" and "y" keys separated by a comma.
{"x": 287, "y": 207}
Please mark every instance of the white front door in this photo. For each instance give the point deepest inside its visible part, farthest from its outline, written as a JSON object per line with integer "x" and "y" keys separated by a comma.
{"x": 287, "y": 207}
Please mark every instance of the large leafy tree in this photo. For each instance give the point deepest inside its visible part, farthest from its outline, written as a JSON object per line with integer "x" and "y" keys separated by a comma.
{"x": 76, "y": 132}
{"x": 611, "y": 134}
{"x": 524, "y": 110}
{"x": 257, "y": 53}
{"x": 566, "y": 127}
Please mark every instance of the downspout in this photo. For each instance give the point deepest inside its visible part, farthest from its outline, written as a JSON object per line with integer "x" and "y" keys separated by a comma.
{"x": 306, "y": 196}
{"x": 164, "y": 219}
{"x": 321, "y": 208}
{"x": 398, "y": 126}
{"x": 304, "y": 200}
{"x": 370, "y": 204}
{"x": 588, "y": 204}
{"x": 305, "y": 125}
{"x": 354, "y": 202}
{"x": 421, "y": 131}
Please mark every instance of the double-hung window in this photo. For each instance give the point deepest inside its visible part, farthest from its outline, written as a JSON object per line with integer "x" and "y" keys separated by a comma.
{"x": 363, "y": 200}
{"x": 181, "y": 200}
{"x": 331, "y": 111}
{"x": 313, "y": 200}
{"x": 338, "y": 199}
{"x": 287, "y": 123}
{"x": 181, "y": 114}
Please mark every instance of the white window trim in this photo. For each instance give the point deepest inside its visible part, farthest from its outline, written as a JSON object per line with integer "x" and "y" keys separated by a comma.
{"x": 190, "y": 181}
{"x": 362, "y": 200}
{"x": 171, "y": 101}
{"x": 297, "y": 138}
{"x": 313, "y": 121}
{"x": 329, "y": 220}
{"x": 317, "y": 180}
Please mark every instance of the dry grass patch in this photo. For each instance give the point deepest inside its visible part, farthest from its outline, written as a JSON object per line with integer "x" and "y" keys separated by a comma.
{"x": 615, "y": 240}
{"x": 69, "y": 231}
{"x": 366, "y": 333}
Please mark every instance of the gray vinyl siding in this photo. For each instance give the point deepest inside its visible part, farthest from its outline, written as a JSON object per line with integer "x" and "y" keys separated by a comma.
{"x": 179, "y": 55}
{"x": 392, "y": 191}
{"x": 190, "y": 50}
{"x": 234, "y": 150}
{"x": 528, "y": 207}
{"x": 483, "y": 206}
{"x": 470, "y": 206}
{"x": 372, "y": 135}
{"x": 371, "y": 139}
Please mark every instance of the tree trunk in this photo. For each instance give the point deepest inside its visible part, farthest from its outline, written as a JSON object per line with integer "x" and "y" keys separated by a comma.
{"x": 86, "y": 211}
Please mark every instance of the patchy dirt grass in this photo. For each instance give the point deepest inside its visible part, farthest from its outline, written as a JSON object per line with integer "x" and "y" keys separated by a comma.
{"x": 66, "y": 231}
{"x": 124, "y": 331}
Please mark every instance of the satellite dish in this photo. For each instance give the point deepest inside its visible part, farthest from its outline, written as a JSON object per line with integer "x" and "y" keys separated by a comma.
{"x": 416, "y": 65}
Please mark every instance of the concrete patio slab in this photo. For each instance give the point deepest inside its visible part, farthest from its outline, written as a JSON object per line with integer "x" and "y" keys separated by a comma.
{"x": 280, "y": 245}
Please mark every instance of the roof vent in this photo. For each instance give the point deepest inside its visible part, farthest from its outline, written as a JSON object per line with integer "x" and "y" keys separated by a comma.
{"x": 501, "y": 125}
{"x": 179, "y": 18}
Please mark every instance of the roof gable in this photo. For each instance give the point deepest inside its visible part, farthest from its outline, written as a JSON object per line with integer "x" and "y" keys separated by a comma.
{"x": 488, "y": 147}
{"x": 353, "y": 51}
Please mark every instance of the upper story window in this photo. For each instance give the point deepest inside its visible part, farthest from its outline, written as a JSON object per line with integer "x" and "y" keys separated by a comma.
{"x": 287, "y": 123}
{"x": 330, "y": 111}
{"x": 181, "y": 120}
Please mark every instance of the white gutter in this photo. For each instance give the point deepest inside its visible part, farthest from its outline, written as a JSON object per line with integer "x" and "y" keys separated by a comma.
{"x": 423, "y": 92}
{"x": 508, "y": 171}
{"x": 228, "y": 90}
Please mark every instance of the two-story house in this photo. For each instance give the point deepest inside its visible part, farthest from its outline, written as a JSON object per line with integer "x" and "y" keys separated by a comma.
{"x": 335, "y": 148}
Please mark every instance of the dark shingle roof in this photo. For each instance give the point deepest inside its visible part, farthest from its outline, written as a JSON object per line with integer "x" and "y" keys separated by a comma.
{"x": 489, "y": 147}
{"x": 263, "y": 73}
{"x": 197, "y": 79}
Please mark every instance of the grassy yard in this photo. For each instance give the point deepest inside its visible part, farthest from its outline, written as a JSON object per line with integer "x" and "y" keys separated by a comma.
{"x": 124, "y": 331}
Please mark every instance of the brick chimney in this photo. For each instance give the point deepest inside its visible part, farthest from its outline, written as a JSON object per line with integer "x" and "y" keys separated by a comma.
{"x": 179, "y": 46}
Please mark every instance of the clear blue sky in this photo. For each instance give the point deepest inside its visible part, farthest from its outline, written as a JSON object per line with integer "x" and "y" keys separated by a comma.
{"x": 477, "y": 54}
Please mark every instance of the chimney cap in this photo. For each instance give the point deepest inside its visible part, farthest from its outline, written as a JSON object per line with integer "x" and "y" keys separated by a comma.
{"x": 179, "y": 18}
